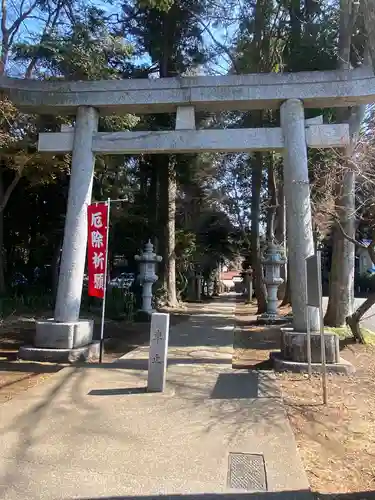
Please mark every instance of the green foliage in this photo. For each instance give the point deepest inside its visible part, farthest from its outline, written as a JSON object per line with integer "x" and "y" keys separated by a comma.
{"x": 30, "y": 303}
{"x": 344, "y": 332}
{"x": 171, "y": 38}
{"x": 88, "y": 50}
{"x": 120, "y": 304}
{"x": 161, "y": 5}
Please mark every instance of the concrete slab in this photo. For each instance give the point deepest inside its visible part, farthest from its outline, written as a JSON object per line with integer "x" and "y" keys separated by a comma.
{"x": 280, "y": 364}
{"x": 93, "y": 431}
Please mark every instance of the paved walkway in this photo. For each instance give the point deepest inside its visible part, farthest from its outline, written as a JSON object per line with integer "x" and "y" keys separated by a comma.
{"x": 93, "y": 432}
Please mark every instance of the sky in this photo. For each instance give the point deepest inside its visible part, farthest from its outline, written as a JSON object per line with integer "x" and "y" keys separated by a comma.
{"x": 31, "y": 29}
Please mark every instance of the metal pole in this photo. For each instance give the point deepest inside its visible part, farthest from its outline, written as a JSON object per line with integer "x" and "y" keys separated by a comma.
{"x": 309, "y": 366}
{"x": 119, "y": 200}
{"x": 321, "y": 318}
{"x": 308, "y": 332}
{"x": 105, "y": 285}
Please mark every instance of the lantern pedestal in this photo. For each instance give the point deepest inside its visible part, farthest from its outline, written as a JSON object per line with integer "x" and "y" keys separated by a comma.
{"x": 271, "y": 319}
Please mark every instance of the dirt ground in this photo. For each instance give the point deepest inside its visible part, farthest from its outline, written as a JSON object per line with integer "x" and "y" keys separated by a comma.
{"x": 17, "y": 376}
{"x": 337, "y": 441}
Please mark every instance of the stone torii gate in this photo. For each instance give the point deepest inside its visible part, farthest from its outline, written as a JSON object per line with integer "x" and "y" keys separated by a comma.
{"x": 66, "y": 336}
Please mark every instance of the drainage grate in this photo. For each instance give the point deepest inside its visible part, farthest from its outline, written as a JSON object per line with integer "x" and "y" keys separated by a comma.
{"x": 247, "y": 472}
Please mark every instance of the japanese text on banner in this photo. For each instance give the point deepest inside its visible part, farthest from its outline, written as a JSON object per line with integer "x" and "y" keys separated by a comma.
{"x": 97, "y": 218}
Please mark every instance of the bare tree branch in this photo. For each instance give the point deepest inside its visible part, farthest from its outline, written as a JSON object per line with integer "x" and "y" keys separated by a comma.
{"x": 17, "y": 23}
{"x": 11, "y": 188}
{"x": 216, "y": 41}
{"x": 349, "y": 238}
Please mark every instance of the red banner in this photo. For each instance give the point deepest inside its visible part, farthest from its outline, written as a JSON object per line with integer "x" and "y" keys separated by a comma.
{"x": 97, "y": 218}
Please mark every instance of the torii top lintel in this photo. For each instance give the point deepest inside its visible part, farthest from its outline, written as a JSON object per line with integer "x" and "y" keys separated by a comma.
{"x": 318, "y": 89}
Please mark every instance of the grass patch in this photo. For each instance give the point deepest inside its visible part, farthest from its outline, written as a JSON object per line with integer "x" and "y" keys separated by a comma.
{"x": 344, "y": 332}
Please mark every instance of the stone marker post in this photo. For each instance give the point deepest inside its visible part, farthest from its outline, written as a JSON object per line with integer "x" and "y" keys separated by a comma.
{"x": 297, "y": 196}
{"x": 157, "y": 362}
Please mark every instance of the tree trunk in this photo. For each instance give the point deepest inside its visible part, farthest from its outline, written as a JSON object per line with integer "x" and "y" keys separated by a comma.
{"x": 272, "y": 199}
{"x": 168, "y": 190}
{"x": 55, "y": 268}
{"x": 341, "y": 286}
{"x": 341, "y": 283}
{"x": 368, "y": 10}
{"x": 167, "y": 176}
{"x": 152, "y": 204}
{"x": 2, "y": 252}
{"x": 256, "y": 186}
{"x": 296, "y": 19}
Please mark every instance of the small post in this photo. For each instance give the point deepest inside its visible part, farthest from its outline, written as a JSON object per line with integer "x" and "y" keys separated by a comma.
{"x": 308, "y": 344}
{"x": 249, "y": 286}
{"x": 308, "y": 332}
{"x": 198, "y": 279}
{"x": 105, "y": 285}
{"x": 157, "y": 362}
{"x": 314, "y": 299}
{"x": 321, "y": 318}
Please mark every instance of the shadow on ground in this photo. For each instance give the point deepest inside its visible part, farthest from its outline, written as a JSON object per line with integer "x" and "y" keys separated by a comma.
{"x": 26, "y": 367}
{"x": 244, "y": 385}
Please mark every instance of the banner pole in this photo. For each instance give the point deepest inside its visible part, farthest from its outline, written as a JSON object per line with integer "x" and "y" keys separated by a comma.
{"x": 105, "y": 285}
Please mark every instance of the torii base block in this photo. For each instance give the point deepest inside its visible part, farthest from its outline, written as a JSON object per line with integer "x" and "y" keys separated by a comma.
{"x": 79, "y": 354}
{"x": 62, "y": 342}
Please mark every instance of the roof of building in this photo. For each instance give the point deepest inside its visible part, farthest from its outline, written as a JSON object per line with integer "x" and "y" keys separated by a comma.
{"x": 229, "y": 275}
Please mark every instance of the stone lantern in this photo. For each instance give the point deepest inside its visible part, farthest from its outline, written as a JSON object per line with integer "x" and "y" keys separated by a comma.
{"x": 147, "y": 274}
{"x": 273, "y": 259}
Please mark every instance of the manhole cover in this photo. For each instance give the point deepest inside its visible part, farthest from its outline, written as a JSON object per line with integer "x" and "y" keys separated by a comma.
{"x": 247, "y": 472}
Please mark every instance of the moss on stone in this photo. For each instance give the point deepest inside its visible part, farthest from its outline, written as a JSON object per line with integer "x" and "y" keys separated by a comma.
{"x": 344, "y": 332}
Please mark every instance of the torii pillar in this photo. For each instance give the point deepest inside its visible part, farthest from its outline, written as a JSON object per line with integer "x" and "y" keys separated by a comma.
{"x": 66, "y": 337}
{"x": 298, "y": 210}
